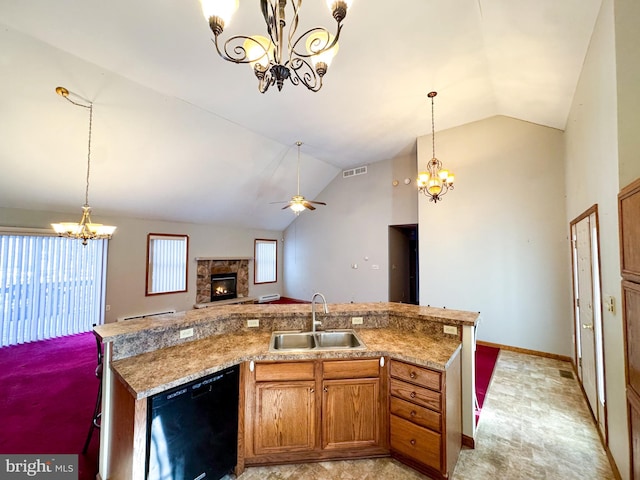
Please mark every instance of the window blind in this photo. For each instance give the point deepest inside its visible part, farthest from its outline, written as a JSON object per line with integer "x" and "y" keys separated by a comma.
{"x": 168, "y": 265}
{"x": 266, "y": 252}
{"x": 49, "y": 287}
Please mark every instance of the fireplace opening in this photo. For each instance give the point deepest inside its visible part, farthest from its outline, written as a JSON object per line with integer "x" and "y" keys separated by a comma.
{"x": 223, "y": 286}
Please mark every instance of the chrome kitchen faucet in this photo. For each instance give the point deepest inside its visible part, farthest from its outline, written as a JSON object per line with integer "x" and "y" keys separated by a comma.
{"x": 315, "y": 322}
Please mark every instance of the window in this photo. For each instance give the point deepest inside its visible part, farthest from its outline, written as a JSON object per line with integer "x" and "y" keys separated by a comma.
{"x": 166, "y": 263}
{"x": 265, "y": 261}
{"x": 49, "y": 287}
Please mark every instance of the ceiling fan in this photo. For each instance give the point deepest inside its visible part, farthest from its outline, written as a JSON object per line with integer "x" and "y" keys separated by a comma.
{"x": 298, "y": 203}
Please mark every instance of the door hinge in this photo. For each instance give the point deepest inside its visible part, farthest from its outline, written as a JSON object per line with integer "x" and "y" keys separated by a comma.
{"x": 578, "y": 302}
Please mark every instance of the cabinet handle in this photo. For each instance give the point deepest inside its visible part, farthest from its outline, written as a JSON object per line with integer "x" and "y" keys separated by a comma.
{"x": 412, "y": 394}
{"x": 412, "y": 441}
{"x": 413, "y": 375}
{"x": 312, "y": 390}
{"x": 413, "y": 413}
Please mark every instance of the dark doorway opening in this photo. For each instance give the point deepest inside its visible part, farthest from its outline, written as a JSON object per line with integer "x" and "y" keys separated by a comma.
{"x": 403, "y": 264}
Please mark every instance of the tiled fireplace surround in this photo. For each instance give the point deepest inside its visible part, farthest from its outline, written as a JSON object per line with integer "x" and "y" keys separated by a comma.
{"x": 208, "y": 266}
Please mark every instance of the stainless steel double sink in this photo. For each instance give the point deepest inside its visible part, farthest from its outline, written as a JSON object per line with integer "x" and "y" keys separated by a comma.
{"x": 313, "y": 341}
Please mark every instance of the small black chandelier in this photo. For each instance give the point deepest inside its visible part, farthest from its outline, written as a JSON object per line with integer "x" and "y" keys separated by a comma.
{"x": 435, "y": 181}
{"x": 302, "y": 60}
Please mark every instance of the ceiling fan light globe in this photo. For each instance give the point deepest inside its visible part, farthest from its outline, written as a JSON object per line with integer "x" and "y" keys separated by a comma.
{"x": 297, "y": 207}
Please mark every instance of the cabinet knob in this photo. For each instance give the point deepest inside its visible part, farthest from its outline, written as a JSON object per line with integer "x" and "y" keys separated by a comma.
{"x": 413, "y": 375}
{"x": 312, "y": 390}
{"x": 412, "y": 441}
{"x": 412, "y": 394}
{"x": 413, "y": 413}
{"x": 325, "y": 389}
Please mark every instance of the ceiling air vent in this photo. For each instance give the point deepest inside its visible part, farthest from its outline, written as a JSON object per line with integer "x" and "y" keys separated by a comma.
{"x": 354, "y": 171}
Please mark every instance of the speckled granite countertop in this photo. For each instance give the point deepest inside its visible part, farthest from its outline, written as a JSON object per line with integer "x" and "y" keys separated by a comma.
{"x": 155, "y": 371}
{"x": 116, "y": 331}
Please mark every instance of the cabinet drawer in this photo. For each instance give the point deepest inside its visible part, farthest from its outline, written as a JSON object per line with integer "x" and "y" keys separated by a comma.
{"x": 416, "y": 442}
{"x": 416, "y": 414}
{"x": 411, "y": 373}
{"x": 413, "y": 393}
{"x": 268, "y": 372}
{"x": 366, "y": 368}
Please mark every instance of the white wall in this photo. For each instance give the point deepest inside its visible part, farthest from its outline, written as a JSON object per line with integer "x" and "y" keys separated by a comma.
{"x": 592, "y": 179}
{"x": 627, "y": 19}
{"x": 321, "y": 246}
{"x": 497, "y": 244}
{"x": 127, "y": 257}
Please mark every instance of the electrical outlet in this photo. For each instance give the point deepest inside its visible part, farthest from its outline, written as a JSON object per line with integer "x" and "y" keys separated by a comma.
{"x": 451, "y": 329}
{"x": 254, "y": 322}
{"x": 186, "y": 333}
{"x": 356, "y": 320}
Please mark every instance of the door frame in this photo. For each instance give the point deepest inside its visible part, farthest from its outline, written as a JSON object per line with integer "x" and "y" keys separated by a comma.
{"x": 407, "y": 248}
{"x": 596, "y": 277}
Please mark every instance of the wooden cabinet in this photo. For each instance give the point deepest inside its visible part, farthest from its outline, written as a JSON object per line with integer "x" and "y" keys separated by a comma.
{"x": 628, "y": 215}
{"x": 425, "y": 417}
{"x": 314, "y": 410}
{"x": 284, "y": 414}
{"x": 352, "y": 409}
{"x": 281, "y": 406}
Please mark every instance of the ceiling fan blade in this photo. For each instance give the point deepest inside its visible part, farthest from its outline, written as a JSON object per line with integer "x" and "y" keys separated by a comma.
{"x": 283, "y": 201}
{"x": 286, "y": 206}
{"x": 317, "y": 203}
{"x": 308, "y": 205}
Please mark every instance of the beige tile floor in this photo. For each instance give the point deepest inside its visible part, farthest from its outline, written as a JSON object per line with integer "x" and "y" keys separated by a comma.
{"x": 534, "y": 425}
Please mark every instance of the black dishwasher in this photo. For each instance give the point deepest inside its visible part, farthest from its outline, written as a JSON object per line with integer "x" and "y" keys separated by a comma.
{"x": 192, "y": 430}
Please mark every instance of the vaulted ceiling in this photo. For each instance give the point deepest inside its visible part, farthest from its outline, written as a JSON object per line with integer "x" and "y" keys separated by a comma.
{"x": 181, "y": 135}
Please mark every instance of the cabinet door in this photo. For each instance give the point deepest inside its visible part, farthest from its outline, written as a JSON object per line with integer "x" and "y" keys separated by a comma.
{"x": 351, "y": 413}
{"x": 284, "y": 417}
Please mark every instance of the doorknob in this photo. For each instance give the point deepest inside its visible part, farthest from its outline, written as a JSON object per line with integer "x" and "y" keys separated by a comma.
{"x": 588, "y": 326}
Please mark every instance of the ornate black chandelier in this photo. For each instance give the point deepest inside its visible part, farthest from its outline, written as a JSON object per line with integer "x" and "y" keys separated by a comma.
{"x": 302, "y": 60}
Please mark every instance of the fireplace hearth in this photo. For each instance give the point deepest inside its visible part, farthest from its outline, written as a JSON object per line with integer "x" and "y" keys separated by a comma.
{"x": 223, "y": 286}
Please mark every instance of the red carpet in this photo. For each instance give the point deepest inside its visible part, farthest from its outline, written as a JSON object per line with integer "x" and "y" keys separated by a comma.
{"x": 486, "y": 358}
{"x": 287, "y": 300}
{"x": 48, "y": 392}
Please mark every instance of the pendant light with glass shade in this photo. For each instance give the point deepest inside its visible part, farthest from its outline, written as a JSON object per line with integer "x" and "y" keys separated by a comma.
{"x": 85, "y": 229}
{"x": 435, "y": 181}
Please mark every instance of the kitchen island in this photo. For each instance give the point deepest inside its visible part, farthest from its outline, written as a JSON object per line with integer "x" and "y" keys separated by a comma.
{"x": 149, "y": 355}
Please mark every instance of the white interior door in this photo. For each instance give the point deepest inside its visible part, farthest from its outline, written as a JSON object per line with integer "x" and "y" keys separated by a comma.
{"x": 585, "y": 330}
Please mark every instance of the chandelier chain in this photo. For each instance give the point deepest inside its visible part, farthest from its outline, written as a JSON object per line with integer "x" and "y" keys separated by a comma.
{"x": 433, "y": 131}
{"x": 86, "y": 192}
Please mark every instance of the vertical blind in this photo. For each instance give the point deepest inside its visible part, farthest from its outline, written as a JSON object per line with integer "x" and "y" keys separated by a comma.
{"x": 49, "y": 287}
{"x": 168, "y": 265}
{"x": 265, "y": 261}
